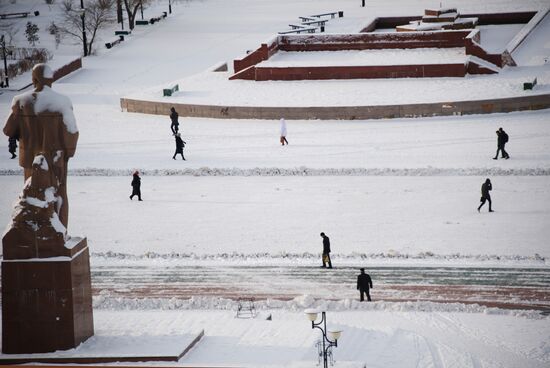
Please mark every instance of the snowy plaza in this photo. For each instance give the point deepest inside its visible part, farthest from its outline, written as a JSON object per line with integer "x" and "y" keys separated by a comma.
{"x": 240, "y": 218}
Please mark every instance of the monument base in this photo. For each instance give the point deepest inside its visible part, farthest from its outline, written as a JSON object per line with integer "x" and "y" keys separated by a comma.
{"x": 46, "y": 302}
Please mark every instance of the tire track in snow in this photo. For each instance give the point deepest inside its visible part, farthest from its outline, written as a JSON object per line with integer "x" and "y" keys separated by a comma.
{"x": 510, "y": 288}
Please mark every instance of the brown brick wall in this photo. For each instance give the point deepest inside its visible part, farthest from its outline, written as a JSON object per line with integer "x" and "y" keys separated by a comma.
{"x": 501, "y": 18}
{"x": 245, "y": 74}
{"x": 67, "y": 69}
{"x": 483, "y": 19}
{"x": 365, "y": 41}
{"x": 475, "y": 49}
{"x": 358, "y": 72}
{"x": 262, "y": 53}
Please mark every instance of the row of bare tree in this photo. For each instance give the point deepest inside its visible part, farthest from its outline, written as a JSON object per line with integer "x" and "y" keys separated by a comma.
{"x": 98, "y": 15}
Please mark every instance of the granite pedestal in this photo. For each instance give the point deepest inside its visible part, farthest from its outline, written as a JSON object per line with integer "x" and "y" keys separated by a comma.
{"x": 47, "y": 302}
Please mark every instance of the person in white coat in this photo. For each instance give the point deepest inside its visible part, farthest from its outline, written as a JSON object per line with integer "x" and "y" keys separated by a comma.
{"x": 283, "y": 132}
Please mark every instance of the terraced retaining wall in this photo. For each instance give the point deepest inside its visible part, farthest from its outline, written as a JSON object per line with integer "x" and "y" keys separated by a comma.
{"x": 532, "y": 102}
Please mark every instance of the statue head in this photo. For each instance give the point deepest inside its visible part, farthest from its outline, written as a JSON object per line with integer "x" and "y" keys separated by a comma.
{"x": 42, "y": 76}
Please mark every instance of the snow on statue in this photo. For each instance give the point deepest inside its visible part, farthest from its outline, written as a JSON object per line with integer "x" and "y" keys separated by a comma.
{"x": 45, "y": 123}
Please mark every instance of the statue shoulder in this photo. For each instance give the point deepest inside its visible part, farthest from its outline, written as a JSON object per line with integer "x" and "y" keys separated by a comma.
{"x": 23, "y": 100}
{"x": 50, "y": 100}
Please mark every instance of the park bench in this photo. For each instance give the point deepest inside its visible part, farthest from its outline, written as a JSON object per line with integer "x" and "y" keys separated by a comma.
{"x": 115, "y": 42}
{"x": 142, "y": 22}
{"x": 305, "y": 19}
{"x": 171, "y": 90}
{"x": 300, "y": 30}
{"x": 317, "y": 22}
{"x": 332, "y": 14}
{"x": 530, "y": 85}
{"x": 246, "y": 308}
{"x": 18, "y": 15}
{"x": 159, "y": 18}
{"x": 122, "y": 32}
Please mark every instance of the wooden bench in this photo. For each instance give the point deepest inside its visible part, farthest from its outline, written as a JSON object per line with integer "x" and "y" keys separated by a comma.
{"x": 16, "y": 15}
{"x": 122, "y": 32}
{"x": 142, "y": 22}
{"x": 115, "y": 42}
{"x": 318, "y": 22}
{"x": 246, "y": 308}
{"x": 159, "y": 18}
{"x": 300, "y": 30}
{"x": 305, "y": 19}
{"x": 171, "y": 90}
{"x": 332, "y": 14}
{"x": 530, "y": 85}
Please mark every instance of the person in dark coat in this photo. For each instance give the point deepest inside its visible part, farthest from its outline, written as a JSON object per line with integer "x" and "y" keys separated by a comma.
{"x": 326, "y": 251}
{"x": 485, "y": 196}
{"x": 175, "y": 124}
{"x": 364, "y": 284}
{"x": 179, "y": 146}
{"x": 502, "y": 139}
{"x": 136, "y": 186}
{"x": 12, "y": 146}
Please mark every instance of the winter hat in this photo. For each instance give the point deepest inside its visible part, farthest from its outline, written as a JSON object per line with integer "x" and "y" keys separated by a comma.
{"x": 136, "y": 172}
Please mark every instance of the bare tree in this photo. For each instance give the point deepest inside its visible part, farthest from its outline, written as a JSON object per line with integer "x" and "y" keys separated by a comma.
{"x": 132, "y": 7}
{"x": 9, "y": 30}
{"x": 98, "y": 14}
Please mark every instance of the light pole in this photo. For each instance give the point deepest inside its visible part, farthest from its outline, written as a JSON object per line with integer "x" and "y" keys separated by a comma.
{"x": 169, "y": 7}
{"x": 83, "y": 16}
{"x": 3, "y": 42}
{"x": 334, "y": 334}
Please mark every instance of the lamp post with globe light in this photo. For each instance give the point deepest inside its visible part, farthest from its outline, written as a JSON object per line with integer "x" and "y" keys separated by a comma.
{"x": 333, "y": 334}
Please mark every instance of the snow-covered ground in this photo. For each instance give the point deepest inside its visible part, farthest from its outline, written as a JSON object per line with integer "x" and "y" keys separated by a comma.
{"x": 364, "y": 215}
{"x": 454, "y": 55}
{"x": 395, "y": 335}
{"x": 390, "y": 187}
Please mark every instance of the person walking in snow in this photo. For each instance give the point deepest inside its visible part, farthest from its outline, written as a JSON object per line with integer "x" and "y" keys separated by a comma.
{"x": 175, "y": 123}
{"x": 326, "y": 251}
{"x": 136, "y": 186}
{"x": 364, "y": 284}
{"x": 12, "y": 146}
{"x": 502, "y": 139}
{"x": 283, "y": 132}
{"x": 179, "y": 146}
{"x": 485, "y": 196}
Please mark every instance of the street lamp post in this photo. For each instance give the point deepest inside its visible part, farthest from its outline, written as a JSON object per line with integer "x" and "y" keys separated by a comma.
{"x": 326, "y": 342}
{"x": 84, "y": 40}
{"x": 4, "y": 55}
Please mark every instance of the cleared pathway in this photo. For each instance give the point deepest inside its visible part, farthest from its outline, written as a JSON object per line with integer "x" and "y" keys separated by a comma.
{"x": 515, "y": 288}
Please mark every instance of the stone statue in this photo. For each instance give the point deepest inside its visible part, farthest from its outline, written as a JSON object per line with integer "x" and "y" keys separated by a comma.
{"x": 44, "y": 121}
{"x": 45, "y": 279}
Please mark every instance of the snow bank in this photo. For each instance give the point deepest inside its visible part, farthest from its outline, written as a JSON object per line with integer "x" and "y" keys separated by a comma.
{"x": 104, "y": 301}
{"x": 354, "y": 258}
{"x": 306, "y": 171}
